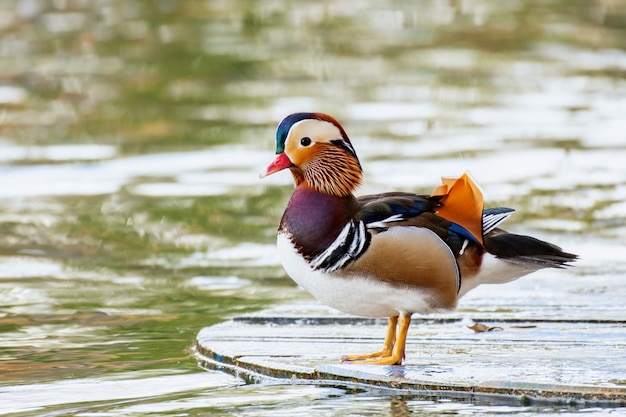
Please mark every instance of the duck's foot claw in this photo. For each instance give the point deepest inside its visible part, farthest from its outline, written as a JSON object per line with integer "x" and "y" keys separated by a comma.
{"x": 384, "y": 357}
{"x": 356, "y": 358}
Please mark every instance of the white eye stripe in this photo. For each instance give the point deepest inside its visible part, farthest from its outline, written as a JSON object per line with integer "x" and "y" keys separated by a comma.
{"x": 316, "y": 130}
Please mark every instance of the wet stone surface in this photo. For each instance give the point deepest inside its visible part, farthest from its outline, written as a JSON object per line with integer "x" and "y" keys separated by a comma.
{"x": 526, "y": 358}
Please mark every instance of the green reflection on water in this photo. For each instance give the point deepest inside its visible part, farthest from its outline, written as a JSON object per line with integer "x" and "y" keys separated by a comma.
{"x": 113, "y": 311}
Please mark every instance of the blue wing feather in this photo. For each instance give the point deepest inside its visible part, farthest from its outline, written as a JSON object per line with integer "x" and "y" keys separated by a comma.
{"x": 381, "y": 211}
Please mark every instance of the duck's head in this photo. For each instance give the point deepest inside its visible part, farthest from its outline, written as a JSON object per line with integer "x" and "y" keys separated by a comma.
{"x": 318, "y": 153}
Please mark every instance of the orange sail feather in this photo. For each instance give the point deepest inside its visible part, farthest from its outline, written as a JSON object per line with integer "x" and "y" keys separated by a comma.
{"x": 462, "y": 203}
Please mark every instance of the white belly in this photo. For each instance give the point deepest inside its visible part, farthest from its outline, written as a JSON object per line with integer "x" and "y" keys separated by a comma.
{"x": 357, "y": 295}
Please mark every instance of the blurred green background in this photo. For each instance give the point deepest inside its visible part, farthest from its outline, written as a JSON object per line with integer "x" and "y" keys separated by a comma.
{"x": 132, "y": 134}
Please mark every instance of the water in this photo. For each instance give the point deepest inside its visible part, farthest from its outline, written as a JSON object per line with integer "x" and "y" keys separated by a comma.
{"x": 132, "y": 134}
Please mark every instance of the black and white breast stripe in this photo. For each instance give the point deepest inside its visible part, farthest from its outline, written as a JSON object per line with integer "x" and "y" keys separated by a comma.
{"x": 352, "y": 241}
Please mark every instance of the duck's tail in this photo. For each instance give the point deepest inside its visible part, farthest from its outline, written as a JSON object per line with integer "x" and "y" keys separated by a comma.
{"x": 526, "y": 250}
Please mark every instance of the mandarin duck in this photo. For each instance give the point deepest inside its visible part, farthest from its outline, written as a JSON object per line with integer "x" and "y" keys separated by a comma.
{"x": 391, "y": 254}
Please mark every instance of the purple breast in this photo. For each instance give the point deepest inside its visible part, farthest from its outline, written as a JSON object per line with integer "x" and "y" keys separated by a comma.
{"x": 314, "y": 219}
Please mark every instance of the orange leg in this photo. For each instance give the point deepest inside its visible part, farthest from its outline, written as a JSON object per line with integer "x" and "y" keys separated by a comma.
{"x": 393, "y": 349}
{"x": 390, "y": 340}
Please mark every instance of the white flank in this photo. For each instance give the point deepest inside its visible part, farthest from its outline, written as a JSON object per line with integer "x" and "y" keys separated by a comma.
{"x": 357, "y": 295}
{"x": 494, "y": 270}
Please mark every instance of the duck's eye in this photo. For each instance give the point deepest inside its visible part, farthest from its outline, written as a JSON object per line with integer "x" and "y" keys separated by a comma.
{"x": 305, "y": 141}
